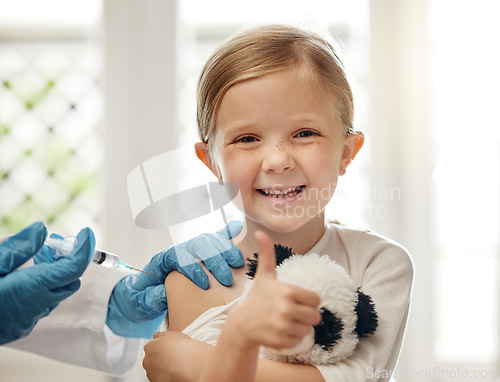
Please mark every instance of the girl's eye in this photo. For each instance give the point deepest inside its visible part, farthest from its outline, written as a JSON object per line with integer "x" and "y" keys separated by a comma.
{"x": 306, "y": 133}
{"x": 246, "y": 139}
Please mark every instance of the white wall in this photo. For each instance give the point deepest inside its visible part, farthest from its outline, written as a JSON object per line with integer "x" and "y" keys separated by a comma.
{"x": 400, "y": 119}
{"x": 140, "y": 41}
{"x": 140, "y": 85}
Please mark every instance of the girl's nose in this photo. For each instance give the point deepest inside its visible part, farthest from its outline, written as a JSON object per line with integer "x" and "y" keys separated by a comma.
{"x": 278, "y": 159}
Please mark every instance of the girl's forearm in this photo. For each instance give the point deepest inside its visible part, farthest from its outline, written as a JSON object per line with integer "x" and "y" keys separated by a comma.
{"x": 269, "y": 371}
{"x": 231, "y": 360}
{"x": 226, "y": 364}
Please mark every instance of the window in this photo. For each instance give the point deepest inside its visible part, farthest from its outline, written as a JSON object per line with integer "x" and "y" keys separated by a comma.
{"x": 50, "y": 112}
{"x": 467, "y": 140}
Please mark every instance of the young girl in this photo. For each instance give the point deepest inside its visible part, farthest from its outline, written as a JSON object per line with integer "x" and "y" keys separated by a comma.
{"x": 275, "y": 115}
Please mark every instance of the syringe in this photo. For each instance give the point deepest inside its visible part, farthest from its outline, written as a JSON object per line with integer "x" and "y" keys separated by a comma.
{"x": 106, "y": 259}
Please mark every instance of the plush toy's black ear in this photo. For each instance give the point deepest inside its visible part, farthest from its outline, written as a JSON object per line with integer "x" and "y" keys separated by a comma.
{"x": 282, "y": 253}
{"x": 252, "y": 265}
{"x": 328, "y": 331}
{"x": 367, "y": 316}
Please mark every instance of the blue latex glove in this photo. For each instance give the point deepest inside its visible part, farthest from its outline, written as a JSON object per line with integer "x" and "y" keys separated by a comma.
{"x": 28, "y": 294}
{"x": 138, "y": 302}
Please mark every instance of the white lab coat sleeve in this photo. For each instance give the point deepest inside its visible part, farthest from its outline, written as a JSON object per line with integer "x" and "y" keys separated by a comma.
{"x": 76, "y": 332}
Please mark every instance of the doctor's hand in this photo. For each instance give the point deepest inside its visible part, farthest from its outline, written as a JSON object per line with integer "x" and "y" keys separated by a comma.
{"x": 28, "y": 294}
{"x": 138, "y": 302}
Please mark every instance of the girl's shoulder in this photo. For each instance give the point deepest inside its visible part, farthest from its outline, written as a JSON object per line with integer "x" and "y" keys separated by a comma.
{"x": 186, "y": 301}
{"x": 363, "y": 249}
{"x": 355, "y": 238}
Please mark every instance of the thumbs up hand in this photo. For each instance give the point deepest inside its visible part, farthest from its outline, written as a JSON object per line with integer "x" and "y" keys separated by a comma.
{"x": 273, "y": 314}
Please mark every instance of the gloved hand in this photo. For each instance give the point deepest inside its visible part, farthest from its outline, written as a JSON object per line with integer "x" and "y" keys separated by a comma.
{"x": 138, "y": 302}
{"x": 28, "y": 294}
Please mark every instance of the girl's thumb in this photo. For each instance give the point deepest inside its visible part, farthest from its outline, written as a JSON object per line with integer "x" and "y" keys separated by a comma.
{"x": 266, "y": 265}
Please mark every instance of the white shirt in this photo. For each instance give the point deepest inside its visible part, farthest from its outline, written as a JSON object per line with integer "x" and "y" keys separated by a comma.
{"x": 383, "y": 270}
{"x": 76, "y": 332}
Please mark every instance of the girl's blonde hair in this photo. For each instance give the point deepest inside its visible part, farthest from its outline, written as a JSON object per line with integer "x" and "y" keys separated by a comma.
{"x": 265, "y": 50}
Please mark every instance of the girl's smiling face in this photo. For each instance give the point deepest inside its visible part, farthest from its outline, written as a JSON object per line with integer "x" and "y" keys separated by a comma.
{"x": 280, "y": 140}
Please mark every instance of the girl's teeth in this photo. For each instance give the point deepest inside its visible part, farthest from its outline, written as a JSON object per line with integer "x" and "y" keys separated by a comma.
{"x": 289, "y": 192}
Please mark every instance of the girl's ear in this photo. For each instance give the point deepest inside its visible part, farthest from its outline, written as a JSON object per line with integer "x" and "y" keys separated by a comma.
{"x": 352, "y": 145}
{"x": 201, "y": 149}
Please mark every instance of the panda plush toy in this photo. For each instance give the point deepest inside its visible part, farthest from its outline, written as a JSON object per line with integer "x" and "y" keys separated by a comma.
{"x": 347, "y": 313}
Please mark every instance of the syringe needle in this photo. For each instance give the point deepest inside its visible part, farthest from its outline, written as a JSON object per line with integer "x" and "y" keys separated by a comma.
{"x": 140, "y": 270}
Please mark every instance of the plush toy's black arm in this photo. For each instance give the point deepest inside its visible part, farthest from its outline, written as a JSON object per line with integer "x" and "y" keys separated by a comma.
{"x": 328, "y": 331}
{"x": 282, "y": 253}
{"x": 367, "y": 316}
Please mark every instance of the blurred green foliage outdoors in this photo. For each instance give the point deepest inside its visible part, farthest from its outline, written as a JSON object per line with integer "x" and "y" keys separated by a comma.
{"x": 50, "y": 151}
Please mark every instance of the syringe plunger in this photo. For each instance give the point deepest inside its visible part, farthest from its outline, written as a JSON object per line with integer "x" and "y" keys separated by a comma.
{"x": 62, "y": 246}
